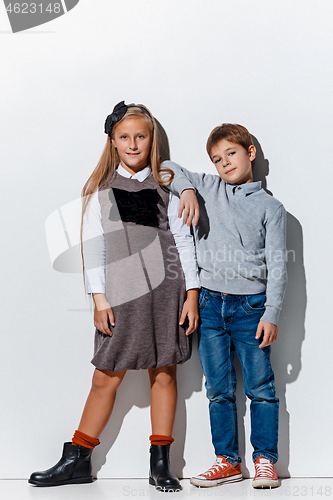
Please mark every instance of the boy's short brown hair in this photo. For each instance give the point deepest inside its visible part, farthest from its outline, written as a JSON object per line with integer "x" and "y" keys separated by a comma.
{"x": 230, "y": 132}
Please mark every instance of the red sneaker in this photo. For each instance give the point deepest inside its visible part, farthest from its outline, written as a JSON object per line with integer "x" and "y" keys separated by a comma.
{"x": 265, "y": 475}
{"x": 221, "y": 472}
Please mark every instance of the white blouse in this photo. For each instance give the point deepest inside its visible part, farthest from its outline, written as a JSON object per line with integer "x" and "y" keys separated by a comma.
{"x": 92, "y": 228}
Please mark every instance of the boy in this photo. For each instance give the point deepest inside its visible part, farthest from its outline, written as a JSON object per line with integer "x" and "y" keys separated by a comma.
{"x": 240, "y": 244}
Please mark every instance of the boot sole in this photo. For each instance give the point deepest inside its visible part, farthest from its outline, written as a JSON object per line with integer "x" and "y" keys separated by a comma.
{"x": 164, "y": 488}
{"x": 79, "y": 480}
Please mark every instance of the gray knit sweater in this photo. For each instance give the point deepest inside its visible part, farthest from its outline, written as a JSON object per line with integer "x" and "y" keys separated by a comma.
{"x": 240, "y": 237}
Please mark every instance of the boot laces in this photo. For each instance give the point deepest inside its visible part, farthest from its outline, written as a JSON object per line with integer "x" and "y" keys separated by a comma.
{"x": 264, "y": 469}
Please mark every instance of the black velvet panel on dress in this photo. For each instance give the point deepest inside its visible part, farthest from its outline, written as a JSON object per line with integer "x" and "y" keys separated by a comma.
{"x": 139, "y": 207}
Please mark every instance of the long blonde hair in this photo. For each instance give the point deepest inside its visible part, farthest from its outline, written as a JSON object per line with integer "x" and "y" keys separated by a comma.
{"x": 105, "y": 170}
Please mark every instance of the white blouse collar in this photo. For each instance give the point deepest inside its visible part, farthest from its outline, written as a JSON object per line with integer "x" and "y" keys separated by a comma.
{"x": 140, "y": 176}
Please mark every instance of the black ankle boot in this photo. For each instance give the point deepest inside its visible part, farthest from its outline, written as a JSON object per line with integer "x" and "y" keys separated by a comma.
{"x": 160, "y": 475}
{"x": 74, "y": 467}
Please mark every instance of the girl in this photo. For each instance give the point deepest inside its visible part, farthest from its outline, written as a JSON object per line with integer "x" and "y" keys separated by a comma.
{"x": 134, "y": 250}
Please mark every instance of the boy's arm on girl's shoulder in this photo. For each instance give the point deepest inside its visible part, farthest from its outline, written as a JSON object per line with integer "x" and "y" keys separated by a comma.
{"x": 184, "y": 185}
{"x": 275, "y": 252}
{"x": 183, "y": 179}
{"x": 189, "y": 207}
{"x": 184, "y": 243}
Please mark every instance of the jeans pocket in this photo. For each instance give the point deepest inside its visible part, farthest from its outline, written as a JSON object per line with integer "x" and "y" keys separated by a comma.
{"x": 203, "y": 299}
{"x": 254, "y": 304}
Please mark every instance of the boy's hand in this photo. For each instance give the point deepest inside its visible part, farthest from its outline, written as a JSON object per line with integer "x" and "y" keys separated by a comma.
{"x": 189, "y": 204}
{"x": 103, "y": 314}
{"x": 270, "y": 333}
{"x": 191, "y": 311}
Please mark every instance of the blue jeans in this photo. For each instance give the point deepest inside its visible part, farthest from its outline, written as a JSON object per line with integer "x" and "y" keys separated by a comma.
{"x": 228, "y": 323}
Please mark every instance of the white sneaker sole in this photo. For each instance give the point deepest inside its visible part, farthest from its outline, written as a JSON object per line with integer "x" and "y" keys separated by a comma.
{"x": 265, "y": 483}
{"x": 208, "y": 483}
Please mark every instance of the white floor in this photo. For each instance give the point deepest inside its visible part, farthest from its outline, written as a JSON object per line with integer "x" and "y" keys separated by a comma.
{"x": 117, "y": 489}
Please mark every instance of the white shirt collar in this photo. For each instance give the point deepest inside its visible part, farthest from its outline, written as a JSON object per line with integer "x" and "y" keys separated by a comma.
{"x": 140, "y": 176}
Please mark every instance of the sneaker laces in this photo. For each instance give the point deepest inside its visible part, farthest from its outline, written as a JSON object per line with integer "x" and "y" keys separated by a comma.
{"x": 216, "y": 467}
{"x": 264, "y": 469}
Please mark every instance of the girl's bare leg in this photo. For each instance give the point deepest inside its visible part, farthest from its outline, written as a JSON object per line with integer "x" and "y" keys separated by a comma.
{"x": 100, "y": 401}
{"x": 75, "y": 463}
{"x": 163, "y": 383}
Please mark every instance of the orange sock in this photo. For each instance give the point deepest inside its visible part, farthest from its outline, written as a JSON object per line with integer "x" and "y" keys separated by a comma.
{"x": 157, "y": 439}
{"x": 84, "y": 440}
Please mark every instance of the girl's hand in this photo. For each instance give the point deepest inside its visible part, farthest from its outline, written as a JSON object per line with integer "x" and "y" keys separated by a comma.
{"x": 103, "y": 314}
{"x": 191, "y": 311}
{"x": 189, "y": 204}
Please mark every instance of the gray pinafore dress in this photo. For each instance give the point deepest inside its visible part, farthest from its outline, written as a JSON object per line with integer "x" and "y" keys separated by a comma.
{"x": 144, "y": 279}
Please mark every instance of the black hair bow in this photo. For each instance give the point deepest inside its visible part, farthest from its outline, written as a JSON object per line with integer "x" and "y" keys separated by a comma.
{"x": 117, "y": 114}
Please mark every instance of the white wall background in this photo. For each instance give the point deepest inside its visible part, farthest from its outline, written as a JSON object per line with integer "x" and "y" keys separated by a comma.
{"x": 195, "y": 64}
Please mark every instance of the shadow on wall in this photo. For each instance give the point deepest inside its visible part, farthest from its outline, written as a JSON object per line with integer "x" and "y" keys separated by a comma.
{"x": 286, "y": 352}
{"x": 163, "y": 142}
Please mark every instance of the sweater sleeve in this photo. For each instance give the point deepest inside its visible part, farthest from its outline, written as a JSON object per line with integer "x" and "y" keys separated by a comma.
{"x": 275, "y": 254}
{"x": 184, "y": 243}
{"x": 94, "y": 247}
{"x": 184, "y": 179}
